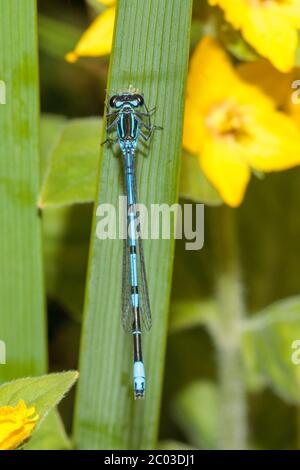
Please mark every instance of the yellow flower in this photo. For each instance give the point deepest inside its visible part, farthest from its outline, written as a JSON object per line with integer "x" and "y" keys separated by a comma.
{"x": 233, "y": 126}
{"x": 270, "y": 26}
{"x": 275, "y": 84}
{"x": 107, "y": 3}
{"x": 97, "y": 39}
{"x": 16, "y": 425}
{"x": 283, "y": 88}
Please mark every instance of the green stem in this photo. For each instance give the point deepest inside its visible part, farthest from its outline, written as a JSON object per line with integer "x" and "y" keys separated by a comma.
{"x": 226, "y": 330}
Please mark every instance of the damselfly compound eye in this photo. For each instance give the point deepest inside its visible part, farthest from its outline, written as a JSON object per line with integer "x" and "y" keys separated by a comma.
{"x": 140, "y": 100}
{"x": 136, "y": 100}
{"x": 112, "y": 101}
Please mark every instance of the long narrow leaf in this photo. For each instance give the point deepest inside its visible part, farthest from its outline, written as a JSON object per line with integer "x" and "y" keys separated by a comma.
{"x": 22, "y": 323}
{"x": 150, "y": 52}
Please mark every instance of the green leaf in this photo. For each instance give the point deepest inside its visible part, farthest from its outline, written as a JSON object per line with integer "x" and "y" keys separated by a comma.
{"x": 196, "y": 33}
{"x": 188, "y": 313}
{"x": 96, "y": 5}
{"x": 43, "y": 392}
{"x": 196, "y": 411}
{"x": 150, "y": 51}
{"x": 205, "y": 21}
{"x": 268, "y": 348}
{"x": 72, "y": 170}
{"x": 51, "y": 128}
{"x": 66, "y": 231}
{"x": 50, "y": 435}
{"x": 66, "y": 243}
{"x": 193, "y": 183}
{"x": 22, "y": 317}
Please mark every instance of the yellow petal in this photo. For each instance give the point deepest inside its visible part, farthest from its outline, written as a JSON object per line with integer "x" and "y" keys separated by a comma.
{"x": 235, "y": 10}
{"x": 17, "y": 437}
{"x": 262, "y": 74}
{"x": 273, "y": 36}
{"x": 269, "y": 26}
{"x": 204, "y": 84}
{"x": 275, "y": 143}
{"x": 97, "y": 40}
{"x": 16, "y": 425}
{"x": 291, "y": 9}
{"x": 206, "y": 87}
{"x": 224, "y": 164}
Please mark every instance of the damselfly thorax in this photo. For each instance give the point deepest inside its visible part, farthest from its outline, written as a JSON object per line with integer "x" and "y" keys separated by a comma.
{"x": 127, "y": 126}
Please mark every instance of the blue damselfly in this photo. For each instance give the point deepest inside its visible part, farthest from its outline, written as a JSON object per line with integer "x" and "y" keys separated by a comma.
{"x": 128, "y": 115}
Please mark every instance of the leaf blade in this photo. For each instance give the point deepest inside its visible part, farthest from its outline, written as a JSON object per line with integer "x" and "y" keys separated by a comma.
{"x": 72, "y": 171}
{"x": 153, "y": 26}
{"x": 268, "y": 340}
{"x": 22, "y": 318}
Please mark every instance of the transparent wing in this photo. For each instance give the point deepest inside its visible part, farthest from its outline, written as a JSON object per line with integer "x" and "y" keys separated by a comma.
{"x": 143, "y": 288}
{"x": 144, "y": 301}
{"x": 127, "y": 318}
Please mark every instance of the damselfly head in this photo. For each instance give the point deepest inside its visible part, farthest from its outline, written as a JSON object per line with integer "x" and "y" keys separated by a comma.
{"x": 117, "y": 101}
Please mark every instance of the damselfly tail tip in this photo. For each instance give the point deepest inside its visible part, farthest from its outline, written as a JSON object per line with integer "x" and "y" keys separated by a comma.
{"x": 139, "y": 395}
{"x": 139, "y": 380}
